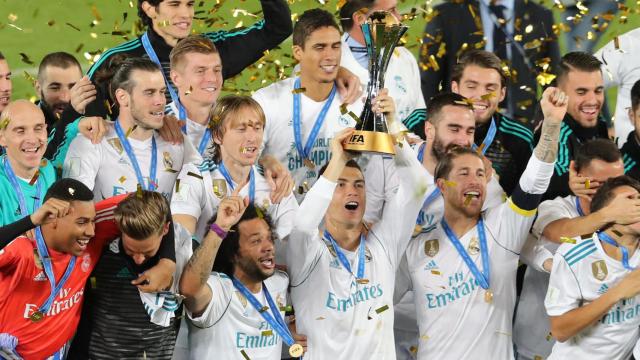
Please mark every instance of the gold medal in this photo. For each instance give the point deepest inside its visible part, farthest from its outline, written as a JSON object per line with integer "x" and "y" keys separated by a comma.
{"x": 362, "y": 281}
{"x": 296, "y": 350}
{"x": 36, "y": 316}
{"x": 309, "y": 164}
{"x": 488, "y": 296}
{"x": 220, "y": 188}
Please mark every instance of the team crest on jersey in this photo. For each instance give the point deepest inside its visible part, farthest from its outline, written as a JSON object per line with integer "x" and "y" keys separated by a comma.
{"x": 474, "y": 246}
{"x": 431, "y": 247}
{"x": 115, "y": 143}
{"x": 220, "y": 188}
{"x": 36, "y": 259}
{"x": 86, "y": 262}
{"x": 279, "y": 302}
{"x": 168, "y": 161}
{"x": 599, "y": 269}
{"x": 114, "y": 246}
{"x": 367, "y": 255}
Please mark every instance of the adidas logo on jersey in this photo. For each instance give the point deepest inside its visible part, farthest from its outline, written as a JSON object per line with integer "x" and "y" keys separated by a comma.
{"x": 431, "y": 265}
{"x": 40, "y": 277}
{"x": 124, "y": 273}
{"x": 603, "y": 289}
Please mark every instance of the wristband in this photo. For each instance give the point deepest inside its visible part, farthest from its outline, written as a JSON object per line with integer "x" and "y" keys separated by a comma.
{"x": 218, "y": 230}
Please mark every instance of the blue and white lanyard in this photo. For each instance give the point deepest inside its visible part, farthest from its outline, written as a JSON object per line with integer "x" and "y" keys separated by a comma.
{"x": 625, "y": 253}
{"x": 343, "y": 259}
{"x": 488, "y": 139}
{"x": 154, "y": 57}
{"x": 182, "y": 115}
{"x": 229, "y": 180}
{"x": 483, "y": 277}
{"x": 134, "y": 162}
{"x": 18, "y": 191}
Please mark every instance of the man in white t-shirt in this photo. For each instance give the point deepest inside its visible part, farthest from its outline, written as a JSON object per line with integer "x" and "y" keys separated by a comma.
{"x": 620, "y": 68}
{"x": 402, "y": 77}
{"x": 592, "y": 300}
{"x": 303, "y": 113}
{"x": 237, "y": 136}
{"x": 463, "y": 270}
{"x": 236, "y": 311}
{"x": 565, "y": 220}
{"x": 342, "y": 279}
{"x": 196, "y": 71}
{"x": 131, "y": 154}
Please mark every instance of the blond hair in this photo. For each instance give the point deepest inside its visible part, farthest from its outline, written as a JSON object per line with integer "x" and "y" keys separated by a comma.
{"x": 191, "y": 44}
{"x": 142, "y": 214}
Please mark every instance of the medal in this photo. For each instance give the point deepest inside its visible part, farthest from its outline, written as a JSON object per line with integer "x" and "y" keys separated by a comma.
{"x": 474, "y": 247}
{"x": 488, "y": 139}
{"x": 362, "y": 281}
{"x": 488, "y": 296}
{"x": 36, "y": 316}
{"x": 295, "y": 350}
{"x": 219, "y": 188}
{"x": 252, "y": 181}
{"x": 309, "y": 164}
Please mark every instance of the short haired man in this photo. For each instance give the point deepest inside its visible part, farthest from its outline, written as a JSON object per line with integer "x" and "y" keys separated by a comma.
{"x": 592, "y": 298}
{"x": 58, "y": 72}
{"x": 196, "y": 71}
{"x": 507, "y": 143}
{"x": 237, "y": 138}
{"x": 237, "y": 310}
{"x": 25, "y": 175}
{"x": 463, "y": 270}
{"x": 304, "y": 112}
{"x": 168, "y": 21}
{"x": 631, "y": 148}
{"x": 5, "y": 82}
{"x": 131, "y": 154}
{"x": 343, "y": 276}
{"x": 402, "y": 76}
{"x": 560, "y": 220}
{"x": 580, "y": 77}
{"x": 119, "y": 320}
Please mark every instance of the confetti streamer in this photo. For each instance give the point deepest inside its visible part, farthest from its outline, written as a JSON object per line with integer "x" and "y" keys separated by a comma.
{"x": 25, "y": 59}
{"x": 194, "y": 175}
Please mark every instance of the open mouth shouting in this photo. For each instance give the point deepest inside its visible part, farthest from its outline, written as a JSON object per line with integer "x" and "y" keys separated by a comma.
{"x": 82, "y": 243}
{"x": 352, "y": 205}
{"x": 267, "y": 262}
{"x": 590, "y": 111}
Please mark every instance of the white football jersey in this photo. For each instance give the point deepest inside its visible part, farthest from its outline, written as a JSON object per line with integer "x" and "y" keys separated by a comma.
{"x": 106, "y": 168}
{"x": 279, "y": 141}
{"x": 344, "y": 319}
{"x": 195, "y": 131}
{"x": 581, "y": 273}
{"x": 201, "y": 188}
{"x": 230, "y": 326}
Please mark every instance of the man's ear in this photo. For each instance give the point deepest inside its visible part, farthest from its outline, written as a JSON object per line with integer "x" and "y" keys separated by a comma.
{"x": 165, "y": 228}
{"x": 122, "y": 97}
{"x": 503, "y": 93}
{"x": 297, "y": 52}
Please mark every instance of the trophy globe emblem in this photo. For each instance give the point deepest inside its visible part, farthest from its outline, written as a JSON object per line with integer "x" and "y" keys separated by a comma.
{"x": 382, "y": 32}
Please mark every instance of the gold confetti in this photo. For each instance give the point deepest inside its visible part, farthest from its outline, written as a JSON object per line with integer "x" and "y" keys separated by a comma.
{"x": 298, "y": 90}
{"x": 435, "y": 272}
{"x": 259, "y": 212}
{"x": 343, "y": 109}
{"x": 131, "y": 129}
{"x": 450, "y": 183}
{"x": 535, "y": 43}
{"x": 12, "y": 17}
{"x": 587, "y": 184}
{"x": 568, "y": 240}
{"x": 488, "y": 96}
{"x": 467, "y": 200}
{"x": 267, "y": 333}
{"x": 528, "y": 29}
{"x": 96, "y": 14}
{"x": 434, "y": 63}
{"x": 189, "y": 91}
{"x": 616, "y": 232}
{"x": 616, "y": 43}
{"x": 51, "y": 22}
{"x": 194, "y": 175}
{"x": 244, "y": 355}
{"x": 139, "y": 191}
{"x": 93, "y": 282}
{"x": 164, "y": 23}
{"x": 73, "y": 26}
{"x": 263, "y": 309}
{"x": 25, "y": 59}
{"x": 35, "y": 177}
{"x": 178, "y": 185}
{"x": 4, "y": 123}
{"x": 382, "y": 309}
{"x": 545, "y": 78}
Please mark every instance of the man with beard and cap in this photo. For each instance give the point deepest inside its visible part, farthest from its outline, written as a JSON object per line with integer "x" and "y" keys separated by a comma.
{"x": 5, "y": 82}
{"x": 463, "y": 270}
{"x": 580, "y": 77}
{"x": 57, "y": 74}
{"x": 594, "y": 289}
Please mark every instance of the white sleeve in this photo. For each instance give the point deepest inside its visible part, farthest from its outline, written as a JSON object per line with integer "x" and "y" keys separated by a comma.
{"x": 611, "y": 63}
{"x": 403, "y": 280}
{"x": 381, "y": 185}
{"x": 83, "y": 161}
{"x": 303, "y": 247}
{"x": 220, "y": 298}
{"x": 189, "y": 195}
{"x": 563, "y": 294}
{"x": 283, "y": 215}
{"x": 534, "y": 253}
{"x": 495, "y": 194}
{"x": 548, "y": 212}
{"x": 400, "y": 214}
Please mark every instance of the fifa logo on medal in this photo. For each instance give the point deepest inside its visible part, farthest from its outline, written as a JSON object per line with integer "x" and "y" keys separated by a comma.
{"x": 382, "y": 32}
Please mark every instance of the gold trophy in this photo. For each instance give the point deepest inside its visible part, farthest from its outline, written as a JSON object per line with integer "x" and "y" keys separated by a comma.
{"x": 381, "y": 34}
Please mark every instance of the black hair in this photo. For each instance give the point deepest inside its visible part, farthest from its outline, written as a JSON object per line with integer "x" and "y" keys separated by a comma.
{"x": 635, "y": 96}
{"x": 577, "y": 60}
{"x": 442, "y": 99}
{"x": 59, "y": 59}
{"x": 67, "y": 189}
{"x": 349, "y": 8}
{"x": 351, "y": 163}
{"x": 310, "y": 21}
{"x": 596, "y": 149}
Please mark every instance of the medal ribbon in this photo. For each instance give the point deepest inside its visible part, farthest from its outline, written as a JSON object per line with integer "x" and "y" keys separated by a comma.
{"x": 276, "y": 321}
{"x": 625, "y": 253}
{"x": 43, "y": 252}
{"x": 578, "y": 207}
{"x": 229, "y": 180}
{"x": 488, "y": 139}
{"x": 182, "y": 115}
{"x": 297, "y": 128}
{"x": 435, "y": 193}
{"x": 154, "y": 57}
{"x": 134, "y": 162}
{"x": 18, "y": 190}
{"x": 343, "y": 259}
{"x": 483, "y": 277}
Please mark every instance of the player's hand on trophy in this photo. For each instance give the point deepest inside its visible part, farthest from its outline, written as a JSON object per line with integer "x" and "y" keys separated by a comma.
{"x": 384, "y": 104}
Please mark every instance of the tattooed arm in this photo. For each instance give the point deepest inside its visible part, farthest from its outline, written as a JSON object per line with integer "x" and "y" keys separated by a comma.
{"x": 193, "y": 283}
{"x": 554, "y": 107}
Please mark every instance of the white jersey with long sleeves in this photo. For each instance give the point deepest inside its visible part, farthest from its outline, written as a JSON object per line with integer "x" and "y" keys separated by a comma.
{"x": 531, "y": 327}
{"x": 450, "y": 305}
{"x": 342, "y": 318}
{"x": 194, "y": 196}
{"x": 107, "y": 170}
{"x": 581, "y": 273}
{"x": 195, "y": 131}
{"x": 279, "y": 141}
{"x": 402, "y": 79}
{"x": 620, "y": 68}
{"x": 230, "y": 325}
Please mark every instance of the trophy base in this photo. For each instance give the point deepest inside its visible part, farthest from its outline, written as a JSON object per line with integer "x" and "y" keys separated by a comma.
{"x": 370, "y": 142}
